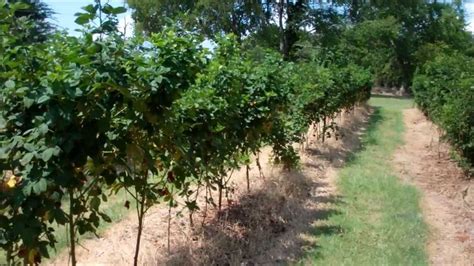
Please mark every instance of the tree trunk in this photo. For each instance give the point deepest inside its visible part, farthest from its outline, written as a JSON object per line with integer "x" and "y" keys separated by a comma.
{"x": 140, "y": 215}
{"x": 260, "y": 170}
{"x": 281, "y": 8}
{"x": 205, "y": 205}
{"x": 169, "y": 230}
{"x": 72, "y": 228}
{"x": 324, "y": 129}
{"x": 235, "y": 27}
{"x": 248, "y": 178}
{"x": 220, "y": 185}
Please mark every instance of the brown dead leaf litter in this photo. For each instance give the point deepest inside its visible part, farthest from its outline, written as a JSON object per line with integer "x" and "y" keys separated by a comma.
{"x": 271, "y": 224}
{"x": 447, "y": 197}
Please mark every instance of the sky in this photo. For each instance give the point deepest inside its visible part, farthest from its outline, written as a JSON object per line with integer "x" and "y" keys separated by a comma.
{"x": 65, "y": 10}
{"x": 469, "y": 9}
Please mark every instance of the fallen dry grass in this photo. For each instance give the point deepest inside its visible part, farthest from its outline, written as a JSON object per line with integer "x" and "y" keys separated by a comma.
{"x": 271, "y": 224}
{"x": 448, "y": 197}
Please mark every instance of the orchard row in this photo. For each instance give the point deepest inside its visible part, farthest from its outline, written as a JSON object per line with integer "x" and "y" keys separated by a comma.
{"x": 444, "y": 90}
{"x": 84, "y": 117}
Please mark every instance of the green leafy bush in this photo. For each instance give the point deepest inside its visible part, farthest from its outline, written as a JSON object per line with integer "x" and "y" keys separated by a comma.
{"x": 444, "y": 90}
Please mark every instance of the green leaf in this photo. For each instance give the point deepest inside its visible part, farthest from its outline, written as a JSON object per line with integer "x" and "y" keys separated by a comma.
{"x": 21, "y": 91}
{"x": 28, "y": 102}
{"x": 109, "y": 25}
{"x": 108, "y": 9}
{"x": 3, "y": 123}
{"x": 119, "y": 10}
{"x": 44, "y": 251}
{"x": 27, "y": 158}
{"x": 105, "y": 217}
{"x": 40, "y": 186}
{"x": 90, "y": 8}
{"x": 29, "y": 147}
{"x": 59, "y": 216}
{"x": 47, "y": 154}
{"x": 43, "y": 99}
{"x": 94, "y": 219}
{"x": 95, "y": 203}
{"x": 43, "y": 129}
{"x": 19, "y": 6}
{"x": 10, "y": 84}
{"x": 27, "y": 189}
{"x": 192, "y": 205}
{"x": 82, "y": 18}
{"x": 3, "y": 154}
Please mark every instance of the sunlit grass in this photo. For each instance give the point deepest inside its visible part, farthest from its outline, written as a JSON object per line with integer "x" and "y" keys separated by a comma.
{"x": 396, "y": 104}
{"x": 379, "y": 220}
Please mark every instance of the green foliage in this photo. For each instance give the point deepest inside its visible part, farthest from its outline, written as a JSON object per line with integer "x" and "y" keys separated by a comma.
{"x": 154, "y": 15}
{"x": 159, "y": 115}
{"x": 387, "y": 37}
{"x": 209, "y": 17}
{"x": 33, "y": 19}
{"x": 80, "y": 117}
{"x": 55, "y": 103}
{"x": 444, "y": 90}
{"x": 371, "y": 44}
{"x": 328, "y": 26}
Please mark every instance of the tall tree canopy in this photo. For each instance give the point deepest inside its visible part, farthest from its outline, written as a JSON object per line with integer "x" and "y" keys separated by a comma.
{"x": 210, "y": 17}
{"x": 385, "y": 34}
{"x": 37, "y": 13}
{"x": 215, "y": 17}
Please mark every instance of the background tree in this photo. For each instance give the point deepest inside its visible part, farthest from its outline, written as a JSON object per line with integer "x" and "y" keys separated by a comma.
{"x": 37, "y": 13}
{"x": 153, "y": 15}
{"x": 282, "y": 24}
{"x": 209, "y": 17}
{"x": 420, "y": 22}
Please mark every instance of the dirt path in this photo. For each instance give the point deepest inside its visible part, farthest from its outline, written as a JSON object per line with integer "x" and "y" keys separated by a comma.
{"x": 447, "y": 200}
{"x": 271, "y": 224}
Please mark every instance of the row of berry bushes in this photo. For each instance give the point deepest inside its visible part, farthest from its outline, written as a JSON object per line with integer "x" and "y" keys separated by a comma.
{"x": 444, "y": 90}
{"x": 84, "y": 117}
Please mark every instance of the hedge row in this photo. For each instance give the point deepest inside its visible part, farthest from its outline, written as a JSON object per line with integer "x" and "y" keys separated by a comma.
{"x": 444, "y": 90}
{"x": 84, "y": 116}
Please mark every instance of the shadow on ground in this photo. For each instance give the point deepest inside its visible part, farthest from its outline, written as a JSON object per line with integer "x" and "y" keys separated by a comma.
{"x": 351, "y": 145}
{"x": 264, "y": 227}
{"x": 391, "y": 96}
{"x": 278, "y": 223}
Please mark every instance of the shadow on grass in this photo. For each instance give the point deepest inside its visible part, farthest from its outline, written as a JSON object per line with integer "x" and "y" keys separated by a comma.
{"x": 388, "y": 96}
{"x": 352, "y": 145}
{"x": 355, "y": 140}
{"x": 328, "y": 230}
{"x": 375, "y": 120}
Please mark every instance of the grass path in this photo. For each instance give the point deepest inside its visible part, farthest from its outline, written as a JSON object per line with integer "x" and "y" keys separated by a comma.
{"x": 379, "y": 221}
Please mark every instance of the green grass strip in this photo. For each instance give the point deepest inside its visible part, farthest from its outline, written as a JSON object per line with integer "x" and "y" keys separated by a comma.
{"x": 378, "y": 220}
